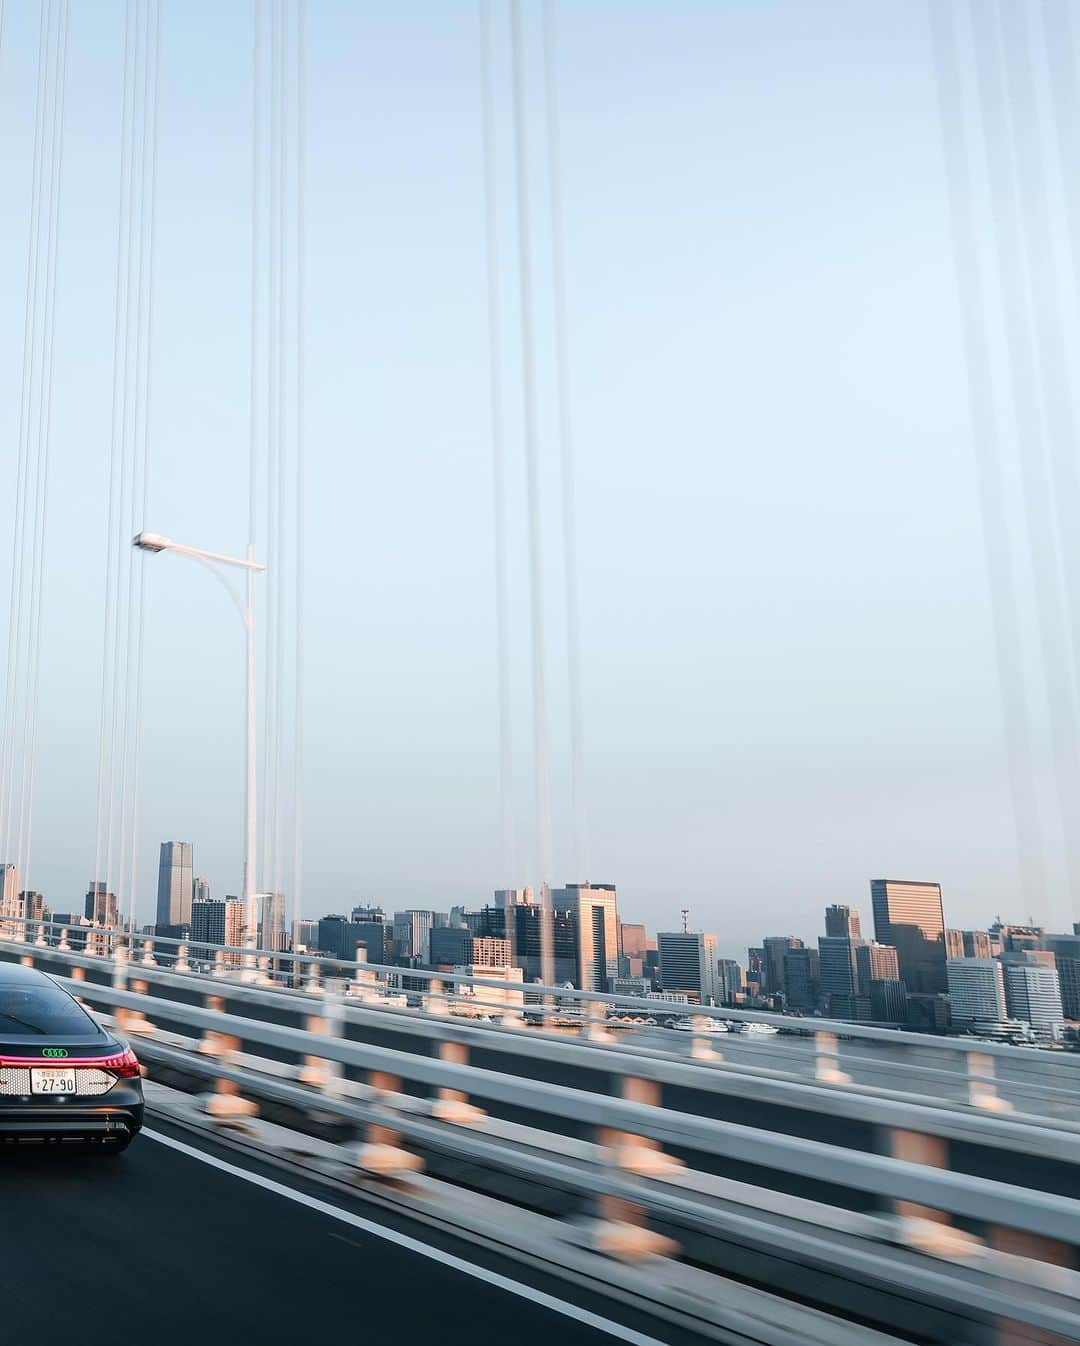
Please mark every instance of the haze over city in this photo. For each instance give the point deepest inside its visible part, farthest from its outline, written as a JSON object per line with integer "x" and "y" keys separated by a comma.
{"x": 788, "y": 676}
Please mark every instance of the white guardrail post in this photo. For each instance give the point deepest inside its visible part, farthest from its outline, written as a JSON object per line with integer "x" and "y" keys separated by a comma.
{"x": 225, "y": 1104}
{"x": 622, "y": 1229}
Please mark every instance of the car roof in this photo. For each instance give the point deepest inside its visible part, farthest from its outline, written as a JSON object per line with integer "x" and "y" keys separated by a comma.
{"x": 14, "y": 974}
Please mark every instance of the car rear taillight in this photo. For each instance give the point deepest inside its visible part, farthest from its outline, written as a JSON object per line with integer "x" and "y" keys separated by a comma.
{"x": 124, "y": 1064}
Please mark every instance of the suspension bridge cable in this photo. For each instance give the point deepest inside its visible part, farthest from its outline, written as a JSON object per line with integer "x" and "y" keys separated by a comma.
{"x": 15, "y": 610}
{"x": 1046, "y": 287}
{"x": 301, "y": 299}
{"x": 137, "y": 476}
{"x": 498, "y": 447}
{"x": 123, "y": 557}
{"x": 146, "y": 440}
{"x": 37, "y": 430}
{"x": 566, "y": 447}
{"x": 251, "y": 802}
{"x": 988, "y": 460}
{"x": 45, "y": 429}
{"x": 38, "y": 420}
{"x": 532, "y": 479}
{"x": 1056, "y": 637}
{"x": 128, "y": 89}
{"x": 269, "y": 662}
{"x": 282, "y": 454}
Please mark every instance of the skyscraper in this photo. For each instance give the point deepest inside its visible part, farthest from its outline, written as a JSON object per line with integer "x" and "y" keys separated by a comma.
{"x": 522, "y": 925}
{"x": 412, "y": 935}
{"x": 1066, "y": 951}
{"x": 802, "y": 978}
{"x": 977, "y": 944}
{"x": 9, "y": 891}
{"x": 271, "y": 932}
{"x": 842, "y": 923}
{"x": 175, "y": 884}
{"x": 201, "y": 890}
{"x": 730, "y": 980}
{"x": 910, "y": 917}
{"x": 99, "y": 907}
{"x": 1033, "y": 992}
{"x": 875, "y": 962}
{"x": 235, "y": 916}
{"x": 839, "y": 974}
{"x": 776, "y": 946}
{"x": 688, "y": 964}
{"x": 976, "y": 990}
{"x": 595, "y": 906}
{"x": 954, "y": 944}
{"x": 207, "y": 927}
{"x": 513, "y": 897}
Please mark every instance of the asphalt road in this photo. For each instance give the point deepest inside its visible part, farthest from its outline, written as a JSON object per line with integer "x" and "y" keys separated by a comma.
{"x": 159, "y": 1247}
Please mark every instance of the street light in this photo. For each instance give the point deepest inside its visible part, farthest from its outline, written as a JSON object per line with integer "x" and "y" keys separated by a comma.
{"x": 154, "y": 542}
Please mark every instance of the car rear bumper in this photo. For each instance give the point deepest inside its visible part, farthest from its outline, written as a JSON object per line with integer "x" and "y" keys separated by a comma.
{"x": 113, "y": 1120}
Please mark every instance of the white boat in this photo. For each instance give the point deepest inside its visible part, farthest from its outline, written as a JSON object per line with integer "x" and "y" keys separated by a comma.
{"x": 760, "y": 1030}
{"x": 702, "y": 1023}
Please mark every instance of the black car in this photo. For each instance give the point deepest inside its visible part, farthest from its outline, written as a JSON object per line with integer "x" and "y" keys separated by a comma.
{"x": 64, "y": 1080}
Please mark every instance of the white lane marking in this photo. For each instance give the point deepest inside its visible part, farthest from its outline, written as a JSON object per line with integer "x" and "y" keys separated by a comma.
{"x": 513, "y": 1287}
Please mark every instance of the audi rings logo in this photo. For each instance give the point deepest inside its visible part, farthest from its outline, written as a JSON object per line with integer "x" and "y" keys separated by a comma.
{"x": 54, "y": 1051}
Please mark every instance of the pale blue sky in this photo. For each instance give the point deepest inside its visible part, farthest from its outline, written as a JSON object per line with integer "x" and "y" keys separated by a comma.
{"x": 789, "y": 683}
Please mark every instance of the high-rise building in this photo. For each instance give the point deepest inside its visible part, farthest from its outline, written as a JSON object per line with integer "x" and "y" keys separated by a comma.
{"x": 305, "y": 935}
{"x": 522, "y": 925}
{"x": 271, "y": 933}
{"x": 954, "y": 944}
{"x": 99, "y": 907}
{"x": 636, "y": 946}
{"x": 688, "y": 964}
{"x": 976, "y": 990}
{"x": 730, "y": 980}
{"x": 977, "y": 944}
{"x": 802, "y": 979}
{"x": 9, "y": 893}
{"x": 1066, "y": 951}
{"x": 839, "y": 974}
{"x": 875, "y": 962}
{"x": 756, "y": 967}
{"x": 489, "y": 951}
{"x": 235, "y": 922}
{"x": 1033, "y": 992}
{"x": 595, "y": 906}
{"x": 201, "y": 890}
{"x": 776, "y": 946}
{"x": 412, "y": 935}
{"x": 513, "y": 897}
{"x": 842, "y": 923}
{"x": 452, "y": 946}
{"x": 368, "y": 913}
{"x": 207, "y": 927}
{"x": 910, "y": 917}
{"x": 31, "y": 906}
{"x": 175, "y": 884}
{"x": 888, "y": 1001}
{"x": 1018, "y": 938}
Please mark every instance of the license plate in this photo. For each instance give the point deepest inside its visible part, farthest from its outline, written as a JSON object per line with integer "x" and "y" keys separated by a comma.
{"x": 52, "y": 1081}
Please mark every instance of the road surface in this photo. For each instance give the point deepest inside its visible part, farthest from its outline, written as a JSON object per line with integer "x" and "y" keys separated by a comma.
{"x": 180, "y": 1242}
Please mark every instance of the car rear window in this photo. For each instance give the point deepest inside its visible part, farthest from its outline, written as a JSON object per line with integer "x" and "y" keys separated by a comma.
{"x": 38, "y": 1011}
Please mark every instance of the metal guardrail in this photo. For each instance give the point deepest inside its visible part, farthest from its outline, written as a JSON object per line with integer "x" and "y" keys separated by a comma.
{"x": 270, "y": 966}
{"x": 402, "y": 1104}
{"x": 964, "y": 1075}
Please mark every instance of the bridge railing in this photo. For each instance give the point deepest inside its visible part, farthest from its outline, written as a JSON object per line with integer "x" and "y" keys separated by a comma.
{"x": 987, "y": 1075}
{"x": 632, "y": 1137}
